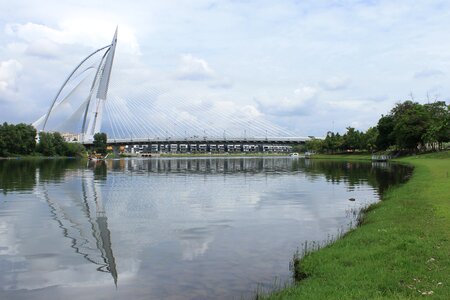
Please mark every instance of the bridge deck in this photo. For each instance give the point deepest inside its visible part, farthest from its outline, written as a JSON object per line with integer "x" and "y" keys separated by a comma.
{"x": 241, "y": 140}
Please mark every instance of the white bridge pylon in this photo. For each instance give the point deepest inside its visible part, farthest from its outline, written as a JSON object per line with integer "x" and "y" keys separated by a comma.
{"x": 91, "y": 109}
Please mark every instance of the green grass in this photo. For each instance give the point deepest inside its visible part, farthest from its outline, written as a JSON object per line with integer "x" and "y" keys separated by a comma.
{"x": 401, "y": 250}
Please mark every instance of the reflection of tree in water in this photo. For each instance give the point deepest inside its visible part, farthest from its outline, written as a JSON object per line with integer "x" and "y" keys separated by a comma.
{"x": 17, "y": 175}
{"x": 100, "y": 169}
{"x": 352, "y": 173}
{"x": 54, "y": 170}
{"x": 84, "y": 223}
{"x": 356, "y": 173}
{"x": 20, "y": 175}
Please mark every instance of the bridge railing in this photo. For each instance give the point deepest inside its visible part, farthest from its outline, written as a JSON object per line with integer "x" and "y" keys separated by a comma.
{"x": 293, "y": 140}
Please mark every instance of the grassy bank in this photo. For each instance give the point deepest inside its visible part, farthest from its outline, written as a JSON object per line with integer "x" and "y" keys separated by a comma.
{"x": 401, "y": 251}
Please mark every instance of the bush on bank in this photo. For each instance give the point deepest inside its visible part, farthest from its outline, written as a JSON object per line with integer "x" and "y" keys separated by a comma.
{"x": 20, "y": 140}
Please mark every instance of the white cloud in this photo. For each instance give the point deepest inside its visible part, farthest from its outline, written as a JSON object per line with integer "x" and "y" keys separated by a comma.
{"x": 9, "y": 72}
{"x": 193, "y": 68}
{"x": 87, "y": 32}
{"x": 43, "y": 48}
{"x": 335, "y": 83}
{"x": 426, "y": 73}
{"x": 300, "y": 102}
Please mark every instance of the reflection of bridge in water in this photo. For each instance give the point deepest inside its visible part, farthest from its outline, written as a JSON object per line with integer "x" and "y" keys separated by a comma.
{"x": 149, "y": 116}
{"x": 208, "y": 165}
{"x": 83, "y": 220}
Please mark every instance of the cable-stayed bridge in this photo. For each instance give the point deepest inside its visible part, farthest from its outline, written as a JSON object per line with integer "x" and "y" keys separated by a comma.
{"x": 91, "y": 100}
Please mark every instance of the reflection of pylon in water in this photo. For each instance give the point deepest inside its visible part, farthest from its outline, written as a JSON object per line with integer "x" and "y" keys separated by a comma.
{"x": 90, "y": 238}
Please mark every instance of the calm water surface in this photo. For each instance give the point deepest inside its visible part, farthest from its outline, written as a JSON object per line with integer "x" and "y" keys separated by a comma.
{"x": 170, "y": 228}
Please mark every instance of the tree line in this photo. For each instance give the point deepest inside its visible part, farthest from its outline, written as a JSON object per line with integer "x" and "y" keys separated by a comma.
{"x": 409, "y": 126}
{"x": 20, "y": 139}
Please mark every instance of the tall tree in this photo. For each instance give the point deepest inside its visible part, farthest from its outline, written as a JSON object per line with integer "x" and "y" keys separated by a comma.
{"x": 100, "y": 145}
{"x": 438, "y": 131}
{"x": 352, "y": 139}
{"x": 46, "y": 145}
{"x": 411, "y": 121}
{"x": 17, "y": 139}
{"x": 385, "y": 128}
{"x": 370, "y": 139}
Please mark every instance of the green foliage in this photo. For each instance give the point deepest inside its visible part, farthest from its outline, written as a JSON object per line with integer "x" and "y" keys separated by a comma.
{"x": 74, "y": 149}
{"x": 314, "y": 145}
{"x": 46, "y": 145}
{"x": 412, "y": 126}
{"x": 51, "y": 144}
{"x": 369, "y": 138}
{"x": 409, "y": 126}
{"x": 352, "y": 140}
{"x": 20, "y": 139}
{"x": 100, "y": 140}
{"x": 17, "y": 139}
{"x": 385, "y": 129}
{"x": 439, "y": 123}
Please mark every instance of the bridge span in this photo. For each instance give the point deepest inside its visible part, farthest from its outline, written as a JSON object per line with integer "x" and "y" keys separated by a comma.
{"x": 206, "y": 140}
{"x": 197, "y": 144}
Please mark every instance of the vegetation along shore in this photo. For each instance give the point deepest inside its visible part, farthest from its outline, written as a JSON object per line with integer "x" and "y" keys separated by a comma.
{"x": 400, "y": 251}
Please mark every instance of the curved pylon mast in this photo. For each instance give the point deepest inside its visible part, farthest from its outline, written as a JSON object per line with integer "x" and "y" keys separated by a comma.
{"x": 95, "y": 121}
{"x": 98, "y": 92}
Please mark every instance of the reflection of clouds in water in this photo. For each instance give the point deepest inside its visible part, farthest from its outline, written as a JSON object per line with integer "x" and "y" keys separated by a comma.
{"x": 194, "y": 243}
{"x": 8, "y": 238}
{"x": 43, "y": 273}
{"x": 253, "y": 198}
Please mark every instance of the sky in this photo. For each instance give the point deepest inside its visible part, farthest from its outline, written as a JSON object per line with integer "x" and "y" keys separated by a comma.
{"x": 308, "y": 66}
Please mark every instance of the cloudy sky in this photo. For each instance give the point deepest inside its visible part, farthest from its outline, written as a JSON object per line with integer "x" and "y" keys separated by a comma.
{"x": 309, "y": 66}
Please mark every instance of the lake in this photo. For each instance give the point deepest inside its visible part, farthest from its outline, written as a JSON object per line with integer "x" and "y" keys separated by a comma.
{"x": 172, "y": 228}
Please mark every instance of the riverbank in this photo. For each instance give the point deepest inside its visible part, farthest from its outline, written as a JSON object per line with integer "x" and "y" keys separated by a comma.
{"x": 401, "y": 251}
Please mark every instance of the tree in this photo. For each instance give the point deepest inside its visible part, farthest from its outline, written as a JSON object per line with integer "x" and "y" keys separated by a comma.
{"x": 352, "y": 139}
{"x": 438, "y": 131}
{"x": 17, "y": 139}
{"x": 314, "y": 145}
{"x": 411, "y": 121}
{"x": 46, "y": 145}
{"x": 370, "y": 138}
{"x": 74, "y": 149}
{"x": 27, "y": 138}
{"x": 59, "y": 144}
{"x": 100, "y": 145}
{"x": 385, "y": 128}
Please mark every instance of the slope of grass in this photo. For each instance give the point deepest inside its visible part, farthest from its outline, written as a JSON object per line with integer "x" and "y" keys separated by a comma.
{"x": 401, "y": 251}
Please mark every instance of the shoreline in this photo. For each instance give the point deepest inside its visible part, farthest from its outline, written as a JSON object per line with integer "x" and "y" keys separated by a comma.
{"x": 400, "y": 250}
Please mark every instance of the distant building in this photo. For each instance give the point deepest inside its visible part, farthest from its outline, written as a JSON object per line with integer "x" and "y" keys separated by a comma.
{"x": 71, "y": 137}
